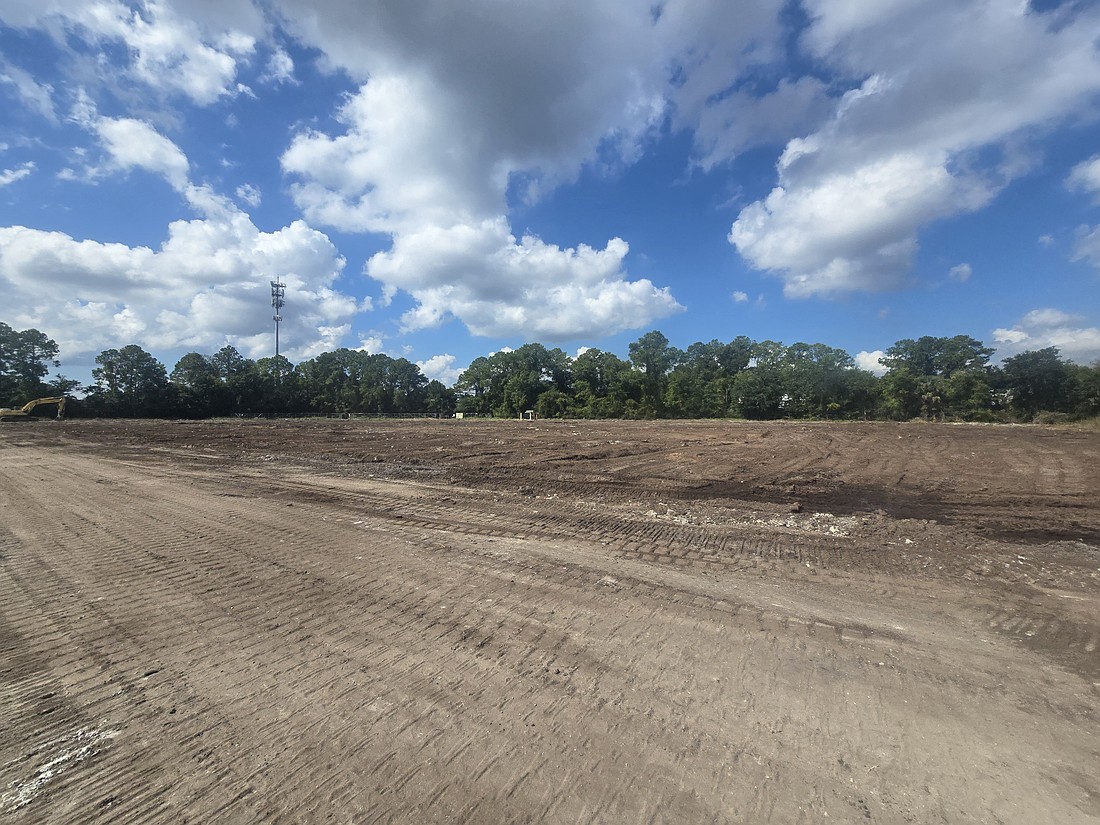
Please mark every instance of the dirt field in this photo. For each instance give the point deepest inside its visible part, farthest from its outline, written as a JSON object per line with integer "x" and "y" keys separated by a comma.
{"x": 491, "y": 622}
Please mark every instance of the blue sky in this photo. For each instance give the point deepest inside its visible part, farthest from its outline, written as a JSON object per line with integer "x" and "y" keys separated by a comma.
{"x": 440, "y": 180}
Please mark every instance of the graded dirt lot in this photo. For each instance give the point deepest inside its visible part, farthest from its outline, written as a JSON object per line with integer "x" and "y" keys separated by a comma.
{"x": 552, "y": 622}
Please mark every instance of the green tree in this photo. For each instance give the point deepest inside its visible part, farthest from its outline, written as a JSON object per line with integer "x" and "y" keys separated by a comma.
{"x": 815, "y": 379}
{"x": 476, "y": 388}
{"x": 396, "y": 384}
{"x": 901, "y": 394}
{"x": 529, "y": 372}
{"x": 654, "y": 358}
{"x": 758, "y": 393}
{"x": 241, "y": 380}
{"x": 700, "y": 385}
{"x": 130, "y": 382}
{"x": 352, "y": 381}
{"x": 228, "y": 363}
{"x": 937, "y": 356}
{"x": 969, "y": 394}
{"x": 505, "y": 384}
{"x": 280, "y": 387}
{"x": 331, "y": 382}
{"x": 864, "y": 394}
{"x": 604, "y": 385}
{"x": 1083, "y": 389}
{"x": 553, "y": 403}
{"x": 25, "y": 359}
{"x": 201, "y": 392}
{"x": 439, "y": 399}
{"x": 1037, "y": 380}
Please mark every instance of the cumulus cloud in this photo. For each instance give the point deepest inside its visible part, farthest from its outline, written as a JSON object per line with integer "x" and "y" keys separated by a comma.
{"x": 1048, "y": 327}
{"x": 133, "y": 144}
{"x": 206, "y": 285}
{"x": 740, "y": 297}
{"x": 871, "y": 361}
{"x": 440, "y": 368}
{"x": 167, "y": 51}
{"x": 499, "y": 286}
{"x": 372, "y": 343}
{"x": 928, "y": 133}
{"x": 458, "y": 110}
{"x": 1085, "y": 176}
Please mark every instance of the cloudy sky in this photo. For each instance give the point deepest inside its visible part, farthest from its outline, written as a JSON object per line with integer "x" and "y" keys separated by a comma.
{"x": 439, "y": 179}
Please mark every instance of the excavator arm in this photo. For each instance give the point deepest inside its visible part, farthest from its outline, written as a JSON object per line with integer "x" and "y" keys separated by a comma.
{"x": 23, "y": 411}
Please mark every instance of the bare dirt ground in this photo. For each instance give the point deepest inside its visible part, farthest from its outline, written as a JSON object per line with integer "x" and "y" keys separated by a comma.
{"x": 491, "y": 622}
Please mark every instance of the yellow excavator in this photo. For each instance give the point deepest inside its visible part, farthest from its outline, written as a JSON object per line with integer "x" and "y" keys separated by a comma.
{"x": 7, "y": 414}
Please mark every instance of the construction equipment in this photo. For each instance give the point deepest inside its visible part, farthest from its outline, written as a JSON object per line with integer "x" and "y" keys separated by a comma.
{"x": 7, "y": 414}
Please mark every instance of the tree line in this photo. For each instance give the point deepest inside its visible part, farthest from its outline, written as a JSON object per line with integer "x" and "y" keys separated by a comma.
{"x": 934, "y": 378}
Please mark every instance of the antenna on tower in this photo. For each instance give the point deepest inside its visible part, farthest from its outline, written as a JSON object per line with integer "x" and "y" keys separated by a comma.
{"x": 278, "y": 290}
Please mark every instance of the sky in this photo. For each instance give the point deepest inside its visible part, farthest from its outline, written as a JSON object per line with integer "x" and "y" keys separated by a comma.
{"x": 440, "y": 180}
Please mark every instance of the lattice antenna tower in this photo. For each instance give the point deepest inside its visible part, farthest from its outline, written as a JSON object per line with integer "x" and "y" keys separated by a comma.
{"x": 278, "y": 290}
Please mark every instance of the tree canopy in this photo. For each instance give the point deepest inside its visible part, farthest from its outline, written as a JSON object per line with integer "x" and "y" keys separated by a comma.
{"x": 25, "y": 360}
{"x": 929, "y": 377}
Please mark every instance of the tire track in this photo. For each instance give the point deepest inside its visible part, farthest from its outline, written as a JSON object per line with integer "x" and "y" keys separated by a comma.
{"x": 397, "y": 657}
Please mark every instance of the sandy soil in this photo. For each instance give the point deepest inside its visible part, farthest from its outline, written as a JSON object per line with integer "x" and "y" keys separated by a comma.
{"x": 490, "y": 622}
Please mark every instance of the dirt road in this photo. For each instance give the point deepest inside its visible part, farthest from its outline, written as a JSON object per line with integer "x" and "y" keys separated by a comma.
{"x": 490, "y": 622}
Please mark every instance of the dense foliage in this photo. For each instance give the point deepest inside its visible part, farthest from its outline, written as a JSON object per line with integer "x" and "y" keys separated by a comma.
{"x": 25, "y": 360}
{"x": 930, "y": 378}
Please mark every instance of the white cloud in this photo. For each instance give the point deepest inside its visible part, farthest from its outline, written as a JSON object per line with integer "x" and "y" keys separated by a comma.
{"x": 947, "y": 87}
{"x": 1042, "y": 328}
{"x": 499, "y": 286}
{"x": 166, "y": 50}
{"x": 169, "y": 54}
{"x": 280, "y": 68}
{"x": 129, "y": 144}
{"x": 811, "y": 232}
{"x": 740, "y": 297}
{"x": 712, "y": 46}
{"x": 205, "y": 285}
{"x": 133, "y": 144}
{"x": 440, "y": 368}
{"x": 960, "y": 273}
{"x": 454, "y": 113}
{"x": 36, "y": 96}
{"x": 372, "y": 343}
{"x": 1086, "y": 245}
{"x": 1085, "y": 176}
{"x": 741, "y": 120}
{"x": 870, "y": 361}
{"x": 249, "y": 194}
{"x": 10, "y": 176}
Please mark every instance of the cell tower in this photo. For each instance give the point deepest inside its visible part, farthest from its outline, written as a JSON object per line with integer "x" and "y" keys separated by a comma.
{"x": 278, "y": 290}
